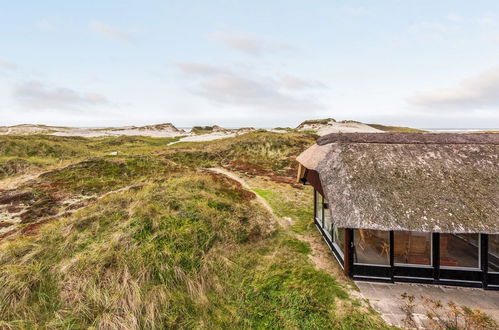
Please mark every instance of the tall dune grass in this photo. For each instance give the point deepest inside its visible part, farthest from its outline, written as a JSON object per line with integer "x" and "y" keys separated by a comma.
{"x": 191, "y": 252}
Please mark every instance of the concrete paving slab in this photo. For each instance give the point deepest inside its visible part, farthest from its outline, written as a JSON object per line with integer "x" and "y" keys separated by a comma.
{"x": 386, "y": 298}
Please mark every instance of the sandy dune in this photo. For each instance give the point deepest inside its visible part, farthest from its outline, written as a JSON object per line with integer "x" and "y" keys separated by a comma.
{"x": 169, "y": 130}
{"x": 338, "y": 127}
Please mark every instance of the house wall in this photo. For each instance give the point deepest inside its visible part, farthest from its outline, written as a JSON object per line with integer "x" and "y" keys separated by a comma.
{"x": 312, "y": 177}
{"x": 451, "y": 259}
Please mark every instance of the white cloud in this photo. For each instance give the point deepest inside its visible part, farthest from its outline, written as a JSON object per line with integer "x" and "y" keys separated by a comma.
{"x": 7, "y": 65}
{"x": 46, "y": 25}
{"x": 223, "y": 86}
{"x": 36, "y": 94}
{"x": 110, "y": 32}
{"x": 435, "y": 27}
{"x": 355, "y": 10}
{"x": 488, "y": 21}
{"x": 202, "y": 69}
{"x": 292, "y": 82}
{"x": 453, "y": 17}
{"x": 251, "y": 45}
{"x": 481, "y": 91}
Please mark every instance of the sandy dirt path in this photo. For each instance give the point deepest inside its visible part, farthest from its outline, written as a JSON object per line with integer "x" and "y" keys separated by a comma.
{"x": 320, "y": 256}
{"x": 283, "y": 223}
{"x": 205, "y": 137}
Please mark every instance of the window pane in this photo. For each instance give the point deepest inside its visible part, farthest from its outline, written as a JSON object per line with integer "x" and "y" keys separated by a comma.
{"x": 412, "y": 248}
{"x": 339, "y": 239}
{"x": 493, "y": 253}
{"x": 459, "y": 250}
{"x": 318, "y": 207}
{"x": 328, "y": 221}
{"x": 371, "y": 247}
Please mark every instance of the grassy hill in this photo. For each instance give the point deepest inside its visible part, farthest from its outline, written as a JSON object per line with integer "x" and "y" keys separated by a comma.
{"x": 23, "y": 154}
{"x": 162, "y": 243}
{"x": 258, "y": 152}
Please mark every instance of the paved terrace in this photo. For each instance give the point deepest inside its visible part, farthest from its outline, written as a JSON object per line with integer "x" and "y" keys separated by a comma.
{"x": 386, "y": 299}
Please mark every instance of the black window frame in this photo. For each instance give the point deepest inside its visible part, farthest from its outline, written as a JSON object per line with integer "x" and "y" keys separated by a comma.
{"x": 432, "y": 274}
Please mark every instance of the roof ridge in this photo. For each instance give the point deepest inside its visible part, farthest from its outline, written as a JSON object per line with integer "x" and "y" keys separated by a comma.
{"x": 411, "y": 138}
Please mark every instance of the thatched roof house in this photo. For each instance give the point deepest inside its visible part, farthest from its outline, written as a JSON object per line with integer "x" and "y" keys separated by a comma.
{"x": 407, "y": 182}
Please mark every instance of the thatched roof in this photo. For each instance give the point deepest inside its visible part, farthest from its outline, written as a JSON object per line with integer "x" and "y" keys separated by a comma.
{"x": 403, "y": 181}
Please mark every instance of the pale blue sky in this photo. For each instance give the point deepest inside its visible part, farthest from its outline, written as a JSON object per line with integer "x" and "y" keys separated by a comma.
{"x": 420, "y": 63}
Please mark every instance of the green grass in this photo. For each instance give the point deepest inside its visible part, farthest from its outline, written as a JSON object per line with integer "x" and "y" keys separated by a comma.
{"x": 184, "y": 249}
{"x": 104, "y": 174}
{"x": 43, "y": 146}
{"x": 284, "y": 204}
{"x": 191, "y": 252}
{"x": 22, "y": 154}
{"x": 11, "y": 166}
{"x": 265, "y": 151}
{"x": 324, "y": 121}
{"x": 199, "y": 130}
{"x": 130, "y": 145}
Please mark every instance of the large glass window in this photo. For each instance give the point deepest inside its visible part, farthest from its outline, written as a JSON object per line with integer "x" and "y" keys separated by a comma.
{"x": 494, "y": 253}
{"x": 412, "y": 248}
{"x": 318, "y": 208}
{"x": 460, "y": 250}
{"x": 328, "y": 221}
{"x": 371, "y": 247}
{"x": 339, "y": 239}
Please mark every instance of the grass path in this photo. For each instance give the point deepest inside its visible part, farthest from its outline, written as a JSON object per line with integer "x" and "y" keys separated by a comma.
{"x": 320, "y": 256}
{"x": 283, "y": 223}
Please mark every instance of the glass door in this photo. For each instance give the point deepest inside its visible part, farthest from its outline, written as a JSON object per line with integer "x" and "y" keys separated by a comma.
{"x": 460, "y": 258}
{"x": 412, "y": 255}
{"x": 371, "y": 254}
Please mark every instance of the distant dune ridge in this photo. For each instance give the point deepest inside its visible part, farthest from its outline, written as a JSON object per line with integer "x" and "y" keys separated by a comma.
{"x": 329, "y": 125}
{"x": 200, "y": 133}
{"x": 160, "y": 130}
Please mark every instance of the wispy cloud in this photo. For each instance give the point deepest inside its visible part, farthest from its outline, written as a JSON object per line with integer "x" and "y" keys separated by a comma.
{"x": 200, "y": 69}
{"x": 110, "y": 32}
{"x": 355, "y": 10}
{"x": 295, "y": 83}
{"x": 432, "y": 27}
{"x": 454, "y": 17}
{"x": 488, "y": 21}
{"x": 7, "y": 65}
{"x": 481, "y": 91}
{"x": 221, "y": 85}
{"x": 251, "y": 45}
{"x": 36, "y": 94}
{"x": 46, "y": 25}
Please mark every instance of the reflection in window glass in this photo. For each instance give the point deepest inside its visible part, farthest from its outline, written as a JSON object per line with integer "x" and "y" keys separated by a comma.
{"x": 339, "y": 239}
{"x": 318, "y": 208}
{"x": 371, "y": 247}
{"x": 459, "y": 250}
{"x": 328, "y": 221}
{"x": 412, "y": 248}
{"x": 494, "y": 253}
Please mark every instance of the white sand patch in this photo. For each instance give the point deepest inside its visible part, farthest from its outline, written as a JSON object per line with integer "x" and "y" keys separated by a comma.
{"x": 13, "y": 219}
{"x": 338, "y": 127}
{"x": 89, "y": 132}
{"x": 207, "y": 137}
{"x": 160, "y": 130}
